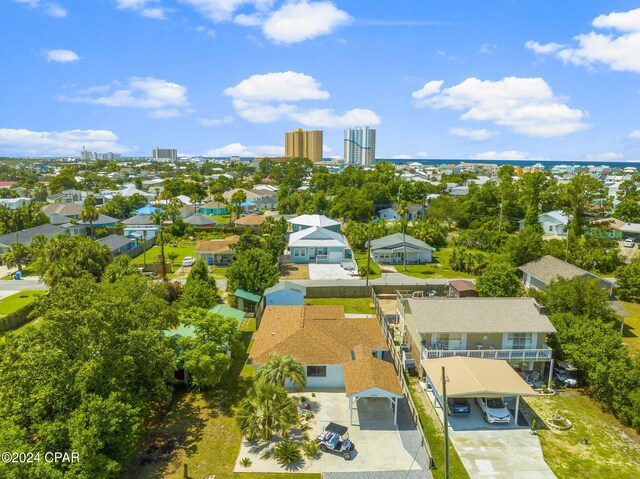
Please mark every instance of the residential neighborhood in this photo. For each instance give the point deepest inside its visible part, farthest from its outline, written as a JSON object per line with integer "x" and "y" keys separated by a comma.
{"x": 319, "y": 239}
{"x": 353, "y": 317}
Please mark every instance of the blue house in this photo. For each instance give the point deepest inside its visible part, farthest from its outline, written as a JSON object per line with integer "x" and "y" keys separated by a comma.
{"x": 214, "y": 208}
{"x": 318, "y": 245}
{"x": 285, "y": 293}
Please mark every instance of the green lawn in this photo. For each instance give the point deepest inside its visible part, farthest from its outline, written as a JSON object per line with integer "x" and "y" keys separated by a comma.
{"x": 433, "y": 431}
{"x": 361, "y": 259}
{"x": 632, "y": 327}
{"x": 13, "y": 303}
{"x": 183, "y": 249}
{"x": 200, "y": 430}
{"x": 351, "y": 305}
{"x": 222, "y": 219}
{"x": 612, "y": 451}
{"x": 439, "y": 269}
{"x": 26, "y": 271}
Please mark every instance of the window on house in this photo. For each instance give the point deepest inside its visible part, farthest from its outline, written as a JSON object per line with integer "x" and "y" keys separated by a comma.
{"x": 520, "y": 340}
{"x": 317, "y": 371}
{"x": 449, "y": 340}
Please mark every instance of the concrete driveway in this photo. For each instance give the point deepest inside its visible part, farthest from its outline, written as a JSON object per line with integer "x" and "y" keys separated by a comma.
{"x": 382, "y": 448}
{"x": 496, "y": 450}
{"x": 328, "y": 271}
{"x": 508, "y": 453}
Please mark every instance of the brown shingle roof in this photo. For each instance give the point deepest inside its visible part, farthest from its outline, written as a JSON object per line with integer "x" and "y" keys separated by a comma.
{"x": 313, "y": 334}
{"x": 368, "y": 372}
{"x": 250, "y": 220}
{"x": 216, "y": 246}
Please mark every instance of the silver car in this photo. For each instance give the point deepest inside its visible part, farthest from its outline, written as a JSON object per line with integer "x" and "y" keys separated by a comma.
{"x": 493, "y": 410}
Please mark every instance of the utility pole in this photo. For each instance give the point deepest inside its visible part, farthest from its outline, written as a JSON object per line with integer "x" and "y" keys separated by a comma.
{"x": 446, "y": 424}
{"x": 500, "y": 222}
{"x": 368, "y": 252}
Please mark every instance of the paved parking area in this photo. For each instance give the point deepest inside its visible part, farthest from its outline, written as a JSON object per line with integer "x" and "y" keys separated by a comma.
{"x": 383, "y": 450}
{"x": 497, "y": 451}
{"x": 328, "y": 271}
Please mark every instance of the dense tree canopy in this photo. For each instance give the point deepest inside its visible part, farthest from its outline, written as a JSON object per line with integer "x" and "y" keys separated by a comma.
{"x": 252, "y": 270}
{"x": 85, "y": 379}
{"x": 499, "y": 281}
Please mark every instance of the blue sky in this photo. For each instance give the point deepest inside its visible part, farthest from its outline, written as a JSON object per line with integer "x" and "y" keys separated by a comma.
{"x": 457, "y": 79}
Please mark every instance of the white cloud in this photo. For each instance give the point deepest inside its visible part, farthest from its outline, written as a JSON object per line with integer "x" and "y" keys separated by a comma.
{"x": 207, "y": 31}
{"x": 299, "y": 21}
{"x": 146, "y": 8}
{"x": 223, "y": 10}
{"x": 480, "y": 134}
{"x": 525, "y": 105}
{"x": 617, "y": 50}
{"x": 281, "y": 86}
{"x": 422, "y": 154}
{"x": 545, "y": 49}
{"x": 61, "y": 56}
{"x": 429, "y": 88}
{"x": 163, "y": 98}
{"x": 326, "y": 118}
{"x": 326, "y": 150}
{"x": 49, "y": 143}
{"x": 215, "y": 122}
{"x": 237, "y": 149}
{"x": 401, "y": 157}
{"x": 49, "y": 8}
{"x": 245, "y": 20}
{"x": 269, "y": 97}
{"x": 487, "y": 48}
{"x": 634, "y": 134}
{"x": 501, "y": 155}
{"x": 604, "y": 156}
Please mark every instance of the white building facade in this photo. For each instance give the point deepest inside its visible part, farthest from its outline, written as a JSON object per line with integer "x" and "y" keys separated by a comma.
{"x": 360, "y": 145}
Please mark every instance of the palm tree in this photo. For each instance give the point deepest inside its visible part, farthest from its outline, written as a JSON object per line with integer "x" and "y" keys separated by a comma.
{"x": 278, "y": 369}
{"x": 158, "y": 218}
{"x": 237, "y": 199}
{"x": 403, "y": 211}
{"x": 89, "y": 212}
{"x": 266, "y": 411}
{"x": 16, "y": 256}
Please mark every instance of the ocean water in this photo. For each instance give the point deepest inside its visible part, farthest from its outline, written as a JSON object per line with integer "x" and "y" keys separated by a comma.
{"x": 548, "y": 164}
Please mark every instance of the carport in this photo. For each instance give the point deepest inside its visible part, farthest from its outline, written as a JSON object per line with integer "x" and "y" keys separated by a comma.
{"x": 476, "y": 377}
{"x": 368, "y": 377}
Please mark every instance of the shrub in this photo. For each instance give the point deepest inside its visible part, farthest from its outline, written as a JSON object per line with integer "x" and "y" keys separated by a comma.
{"x": 311, "y": 448}
{"x": 246, "y": 462}
{"x": 287, "y": 452}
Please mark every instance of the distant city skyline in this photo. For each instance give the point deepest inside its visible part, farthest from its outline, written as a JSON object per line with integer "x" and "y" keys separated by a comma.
{"x": 499, "y": 80}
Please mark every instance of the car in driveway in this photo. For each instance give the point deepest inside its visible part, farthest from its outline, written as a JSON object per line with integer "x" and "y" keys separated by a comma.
{"x": 188, "y": 261}
{"x": 458, "y": 407}
{"x": 493, "y": 410}
{"x": 628, "y": 243}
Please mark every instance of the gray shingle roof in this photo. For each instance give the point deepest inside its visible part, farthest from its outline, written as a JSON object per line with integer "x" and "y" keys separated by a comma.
{"x": 200, "y": 220}
{"x": 25, "y": 236}
{"x": 397, "y": 240}
{"x": 478, "y": 315}
{"x": 548, "y": 268}
{"x": 114, "y": 242}
{"x": 138, "y": 220}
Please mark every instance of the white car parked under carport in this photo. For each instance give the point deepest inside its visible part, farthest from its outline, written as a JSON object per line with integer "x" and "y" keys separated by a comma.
{"x": 493, "y": 410}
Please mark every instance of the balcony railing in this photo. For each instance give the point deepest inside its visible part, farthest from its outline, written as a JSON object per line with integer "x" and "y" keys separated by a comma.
{"x": 506, "y": 354}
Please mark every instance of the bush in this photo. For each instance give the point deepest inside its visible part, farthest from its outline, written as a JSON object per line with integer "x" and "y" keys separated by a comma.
{"x": 311, "y": 448}
{"x": 246, "y": 462}
{"x": 287, "y": 452}
{"x": 17, "y": 318}
{"x": 468, "y": 261}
